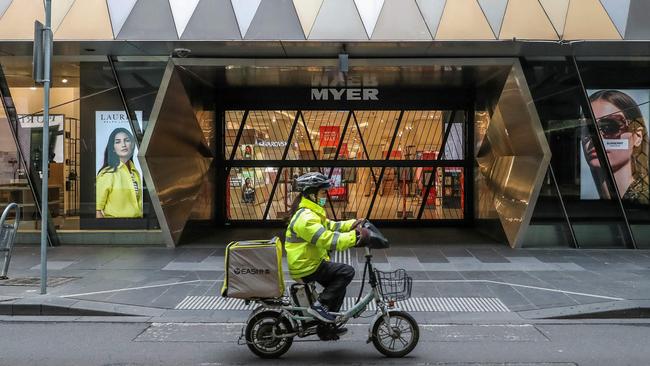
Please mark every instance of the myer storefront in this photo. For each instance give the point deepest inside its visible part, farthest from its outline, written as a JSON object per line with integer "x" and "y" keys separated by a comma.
{"x": 533, "y": 143}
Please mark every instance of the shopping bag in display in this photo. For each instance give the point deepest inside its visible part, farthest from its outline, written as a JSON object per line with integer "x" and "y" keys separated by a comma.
{"x": 253, "y": 269}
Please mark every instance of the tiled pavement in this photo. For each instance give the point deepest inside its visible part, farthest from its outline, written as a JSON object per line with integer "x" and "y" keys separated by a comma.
{"x": 161, "y": 278}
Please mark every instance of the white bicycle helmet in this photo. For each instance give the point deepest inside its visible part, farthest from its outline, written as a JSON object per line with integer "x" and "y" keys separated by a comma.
{"x": 313, "y": 180}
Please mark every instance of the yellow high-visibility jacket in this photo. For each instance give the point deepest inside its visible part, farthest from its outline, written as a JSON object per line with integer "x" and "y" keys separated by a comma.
{"x": 310, "y": 236}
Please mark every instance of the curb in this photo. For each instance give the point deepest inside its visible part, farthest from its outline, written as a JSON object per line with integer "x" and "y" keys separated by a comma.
{"x": 56, "y": 306}
{"x": 625, "y": 309}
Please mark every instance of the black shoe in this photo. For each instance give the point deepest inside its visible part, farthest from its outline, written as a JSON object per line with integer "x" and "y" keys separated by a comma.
{"x": 328, "y": 332}
{"x": 341, "y": 331}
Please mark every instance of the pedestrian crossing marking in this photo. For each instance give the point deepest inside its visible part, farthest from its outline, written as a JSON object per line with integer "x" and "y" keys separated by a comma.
{"x": 414, "y": 304}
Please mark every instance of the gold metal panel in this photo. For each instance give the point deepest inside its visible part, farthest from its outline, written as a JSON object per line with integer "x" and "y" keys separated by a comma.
{"x": 60, "y": 9}
{"x": 556, "y": 11}
{"x": 512, "y": 160}
{"x": 18, "y": 21}
{"x": 86, "y": 19}
{"x": 463, "y": 19}
{"x": 587, "y": 19}
{"x": 525, "y": 19}
{"x": 174, "y": 156}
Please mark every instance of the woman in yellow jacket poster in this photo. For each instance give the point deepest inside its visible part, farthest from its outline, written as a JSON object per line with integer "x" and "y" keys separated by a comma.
{"x": 118, "y": 183}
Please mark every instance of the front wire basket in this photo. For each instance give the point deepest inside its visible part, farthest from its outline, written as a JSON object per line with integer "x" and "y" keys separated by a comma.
{"x": 394, "y": 286}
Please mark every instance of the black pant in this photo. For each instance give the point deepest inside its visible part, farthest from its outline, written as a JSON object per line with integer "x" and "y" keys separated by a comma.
{"x": 334, "y": 277}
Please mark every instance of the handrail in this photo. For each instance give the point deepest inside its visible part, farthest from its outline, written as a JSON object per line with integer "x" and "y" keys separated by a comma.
{"x": 10, "y": 236}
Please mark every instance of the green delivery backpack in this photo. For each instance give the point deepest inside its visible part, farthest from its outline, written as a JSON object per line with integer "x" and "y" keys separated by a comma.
{"x": 253, "y": 269}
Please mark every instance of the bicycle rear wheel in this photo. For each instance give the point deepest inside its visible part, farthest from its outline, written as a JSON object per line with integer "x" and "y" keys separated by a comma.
{"x": 260, "y": 337}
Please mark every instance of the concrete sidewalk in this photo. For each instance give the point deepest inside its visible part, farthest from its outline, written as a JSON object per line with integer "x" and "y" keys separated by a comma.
{"x": 450, "y": 282}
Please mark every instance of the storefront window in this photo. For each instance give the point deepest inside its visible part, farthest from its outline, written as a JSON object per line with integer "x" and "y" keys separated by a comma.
{"x": 140, "y": 82}
{"x": 14, "y": 186}
{"x": 577, "y": 162}
{"x": 619, "y": 96}
{"x": 95, "y": 179}
{"x": 261, "y": 183}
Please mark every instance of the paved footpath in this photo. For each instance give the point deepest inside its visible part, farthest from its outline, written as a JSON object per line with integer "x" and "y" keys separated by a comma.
{"x": 450, "y": 282}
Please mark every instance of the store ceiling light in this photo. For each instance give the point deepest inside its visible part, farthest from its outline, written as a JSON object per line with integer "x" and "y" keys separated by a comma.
{"x": 64, "y": 81}
{"x": 32, "y": 88}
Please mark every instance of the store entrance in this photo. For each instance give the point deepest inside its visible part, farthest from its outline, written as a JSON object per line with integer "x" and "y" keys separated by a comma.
{"x": 399, "y": 138}
{"x": 392, "y": 166}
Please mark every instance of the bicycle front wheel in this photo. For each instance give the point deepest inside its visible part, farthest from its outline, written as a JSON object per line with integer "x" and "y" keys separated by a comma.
{"x": 404, "y": 338}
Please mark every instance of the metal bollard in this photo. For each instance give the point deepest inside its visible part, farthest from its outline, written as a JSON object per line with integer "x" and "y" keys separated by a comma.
{"x": 8, "y": 236}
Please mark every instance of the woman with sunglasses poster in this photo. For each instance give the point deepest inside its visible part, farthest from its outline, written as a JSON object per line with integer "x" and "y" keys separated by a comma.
{"x": 625, "y": 138}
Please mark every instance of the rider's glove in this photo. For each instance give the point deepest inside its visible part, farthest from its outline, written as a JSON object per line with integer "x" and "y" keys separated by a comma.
{"x": 362, "y": 236}
{"x": 358, "y": 223}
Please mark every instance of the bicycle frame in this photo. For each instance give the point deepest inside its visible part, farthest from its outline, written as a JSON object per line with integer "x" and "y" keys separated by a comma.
{"x": 292, "y": 312}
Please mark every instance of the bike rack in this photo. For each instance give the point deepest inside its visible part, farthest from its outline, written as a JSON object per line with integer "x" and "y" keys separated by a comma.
{"x": 7, "y": 237}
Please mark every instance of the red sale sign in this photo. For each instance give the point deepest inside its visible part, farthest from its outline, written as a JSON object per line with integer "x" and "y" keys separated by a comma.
{"x": 329, "y": 135}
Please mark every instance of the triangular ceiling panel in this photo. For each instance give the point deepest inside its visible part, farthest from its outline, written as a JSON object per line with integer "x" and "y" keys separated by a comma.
{"x": 4, "y": 4}
{"x": 245, "y": 11}
{"x": 182, "y": 11}
{"x": 338, "y": 20}
{"x": 18, "y": 20}
{"x": 275, "y": 19}
{"x": 307, "y": 11}
{"x": 618, "y": 11}
{"x": 556, "y": 10}
{"x": 638, "y": 26}
{"x": 526, "y": 19}
{"x": 587, "y": 19}
{"x": 432, "y": 12}
{"x": 463, "y": 19}
{"x": 401, "y": 20}
{"x": 149, "y": 20}
{"x": 494, "y": 11}
{"x": 87, "y": 19}
{"x": 212, "y": 20}
{"x": 119, "y": 11}
{"x": 369, "y": 11}
{"x": 60, "y": 9}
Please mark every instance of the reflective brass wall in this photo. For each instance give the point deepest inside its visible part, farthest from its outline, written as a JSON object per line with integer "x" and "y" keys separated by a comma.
{"x": 512, "y": 157}
{"x": 175, "y": 157}
{"x": 511, "y": 152}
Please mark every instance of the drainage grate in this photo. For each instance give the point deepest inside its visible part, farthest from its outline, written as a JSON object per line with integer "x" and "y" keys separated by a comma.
{"x": 36, "y": 281}
{"x": 415, "y": 304}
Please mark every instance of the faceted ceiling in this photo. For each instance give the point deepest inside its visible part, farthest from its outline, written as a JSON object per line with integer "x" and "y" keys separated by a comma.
{"x": 331, "y": 20}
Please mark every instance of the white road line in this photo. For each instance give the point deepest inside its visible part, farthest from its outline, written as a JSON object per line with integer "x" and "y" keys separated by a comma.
{"x": 358, "y": 281}
{"x": 132, "y": 288}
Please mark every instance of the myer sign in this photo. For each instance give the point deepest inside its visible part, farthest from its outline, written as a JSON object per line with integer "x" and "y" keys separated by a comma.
{"x": 340, "y": 87}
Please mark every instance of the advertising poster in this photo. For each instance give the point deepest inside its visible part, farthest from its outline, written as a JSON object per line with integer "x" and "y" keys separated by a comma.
{"x": 329, "y": 136}
{"x": 622, "y": 118}
{"x": 118, "y": 183}
{"x": 35, "y": 124}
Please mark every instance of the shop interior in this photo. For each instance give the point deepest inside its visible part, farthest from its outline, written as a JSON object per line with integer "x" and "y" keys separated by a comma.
{"x": 410, "y": 189}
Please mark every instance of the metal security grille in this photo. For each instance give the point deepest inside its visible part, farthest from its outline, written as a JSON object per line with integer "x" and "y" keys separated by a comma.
{"x": 415, "y": 304}
{"x": 386, "y": 165}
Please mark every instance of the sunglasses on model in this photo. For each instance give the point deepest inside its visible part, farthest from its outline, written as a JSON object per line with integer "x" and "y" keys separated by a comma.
{"x": 612, "y": 126}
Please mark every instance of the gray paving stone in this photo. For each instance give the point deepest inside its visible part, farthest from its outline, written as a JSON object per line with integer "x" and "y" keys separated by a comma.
{"x": 455, "y": 252}
{"x": 488, "y": 256}
{"x": 508, "y": 295}
{"x": 543, "y": 299}
{"x": 430, "y": 255}
{"x": 444, "y": 275}
{"x": 172, "y": 296}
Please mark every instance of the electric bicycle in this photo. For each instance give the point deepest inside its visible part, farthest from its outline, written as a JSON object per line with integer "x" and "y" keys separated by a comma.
{"x": 272, "y": 327}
